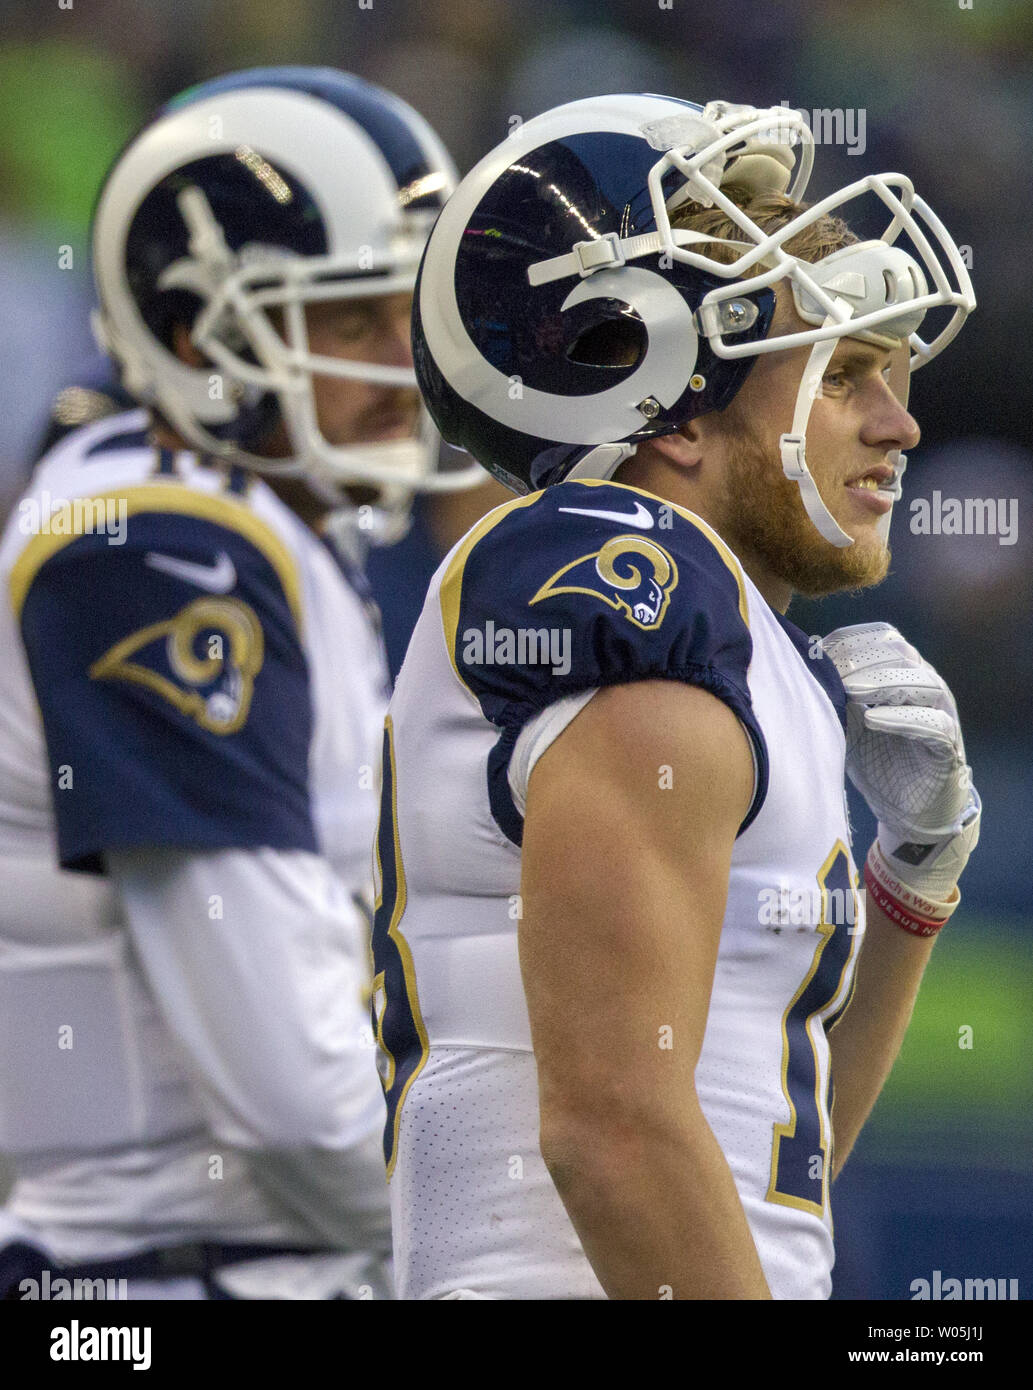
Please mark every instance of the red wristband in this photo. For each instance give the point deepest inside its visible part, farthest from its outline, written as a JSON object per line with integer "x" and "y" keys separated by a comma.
{"x": 904, "y": 917}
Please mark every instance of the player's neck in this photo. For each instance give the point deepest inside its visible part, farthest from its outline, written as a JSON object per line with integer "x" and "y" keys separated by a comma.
{"x": 775, "y": 591}
{"x": 165, "y": 437}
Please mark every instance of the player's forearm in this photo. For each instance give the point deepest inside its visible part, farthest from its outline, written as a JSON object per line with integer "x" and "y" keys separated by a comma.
{"x": 866, "y": 1041}
{"x": 655, "y": 1211}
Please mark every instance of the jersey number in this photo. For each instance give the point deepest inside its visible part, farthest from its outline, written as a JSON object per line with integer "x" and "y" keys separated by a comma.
{"x": 801, "y": 1158}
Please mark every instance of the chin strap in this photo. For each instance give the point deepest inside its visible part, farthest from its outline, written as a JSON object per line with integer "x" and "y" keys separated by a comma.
{"x": 793, "y": 445}
{"x": 794, "y": 459}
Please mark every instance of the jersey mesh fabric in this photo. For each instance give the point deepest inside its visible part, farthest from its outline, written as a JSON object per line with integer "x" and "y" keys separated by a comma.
{"x": 472, "y": 1189}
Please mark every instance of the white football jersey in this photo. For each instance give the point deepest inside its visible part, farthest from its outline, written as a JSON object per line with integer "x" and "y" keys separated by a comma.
{"x": 187, "y": 667}
{"x": 546, "y": 600}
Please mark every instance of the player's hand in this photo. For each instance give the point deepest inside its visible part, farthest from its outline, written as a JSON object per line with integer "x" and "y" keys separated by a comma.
{"x": 906, "y": 756}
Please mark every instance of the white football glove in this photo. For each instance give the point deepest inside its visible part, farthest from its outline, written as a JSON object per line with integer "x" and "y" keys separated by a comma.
{"x": 906, "y": 756}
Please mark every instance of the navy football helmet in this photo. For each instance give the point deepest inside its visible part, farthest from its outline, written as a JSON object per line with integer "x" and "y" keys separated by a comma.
{"x": 559, "y": 319}
{"x": 267, "y": 190}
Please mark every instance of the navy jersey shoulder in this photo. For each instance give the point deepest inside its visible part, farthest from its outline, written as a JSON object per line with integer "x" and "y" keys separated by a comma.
{"x": 591, "y": 584}
{"x": 161, "y": 626}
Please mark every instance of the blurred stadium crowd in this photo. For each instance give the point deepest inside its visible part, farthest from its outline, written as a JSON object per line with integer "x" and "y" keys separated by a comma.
{"x": 946, "y": 93}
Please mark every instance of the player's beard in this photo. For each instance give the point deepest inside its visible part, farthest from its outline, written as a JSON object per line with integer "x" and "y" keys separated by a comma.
{"x": 765, "y": 517}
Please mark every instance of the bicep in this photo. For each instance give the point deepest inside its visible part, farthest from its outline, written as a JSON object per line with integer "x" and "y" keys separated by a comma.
{"x": 630, "y": 823}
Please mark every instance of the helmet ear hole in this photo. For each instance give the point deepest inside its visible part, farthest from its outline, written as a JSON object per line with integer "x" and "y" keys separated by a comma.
{"x": 619, "y": 342}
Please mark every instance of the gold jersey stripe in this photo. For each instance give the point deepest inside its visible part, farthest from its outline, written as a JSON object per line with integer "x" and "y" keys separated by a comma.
{"x": 162, "y": 497}
{"x": 402, "y": 946}
{"x": 451, "y": 592}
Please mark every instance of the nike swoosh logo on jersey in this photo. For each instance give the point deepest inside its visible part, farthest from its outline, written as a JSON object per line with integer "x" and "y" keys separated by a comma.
{"x": 217, "y": 579}
{"x": 639, "y": 517}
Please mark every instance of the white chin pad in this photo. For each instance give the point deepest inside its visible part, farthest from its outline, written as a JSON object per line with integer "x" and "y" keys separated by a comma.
{"x": 868, "y": 276}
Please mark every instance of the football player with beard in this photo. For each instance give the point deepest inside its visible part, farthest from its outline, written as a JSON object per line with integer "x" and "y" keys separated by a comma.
{"x": 191, "y": 705}
{"x": 620, "y": 947}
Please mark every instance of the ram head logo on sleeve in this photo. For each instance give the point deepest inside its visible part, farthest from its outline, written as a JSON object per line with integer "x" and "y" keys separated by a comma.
{"x": 203, "y": 661}
{"x": 633, "y": 575}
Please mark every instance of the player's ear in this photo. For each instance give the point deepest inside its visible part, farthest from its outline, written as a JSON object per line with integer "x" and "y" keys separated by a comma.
{"x": 184, "y": 348}
{"x": 684, "y": 448}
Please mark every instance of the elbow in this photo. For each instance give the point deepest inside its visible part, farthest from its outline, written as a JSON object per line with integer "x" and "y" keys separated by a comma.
{"x": 595, "y": 1147}
{"x": 581, "y": 1166}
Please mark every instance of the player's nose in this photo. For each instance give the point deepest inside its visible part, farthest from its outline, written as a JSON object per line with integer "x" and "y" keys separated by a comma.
{"x": 394, "y": 340}
{"x": 888, "y": 422}
{"x": 397, "y": 350}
